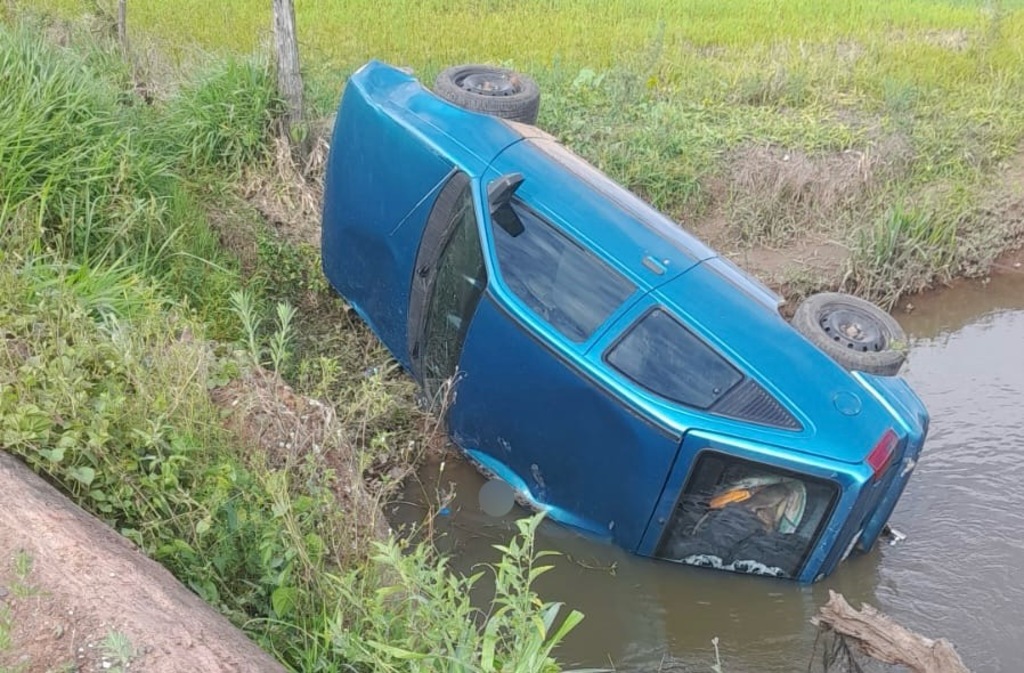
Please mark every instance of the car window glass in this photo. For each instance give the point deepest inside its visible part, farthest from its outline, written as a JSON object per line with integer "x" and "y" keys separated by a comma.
{"x": 567, "y": 286}
{"x": 661, "y": 355}
{"x": 457, "y": 287}
{"x": 746, "y": 517}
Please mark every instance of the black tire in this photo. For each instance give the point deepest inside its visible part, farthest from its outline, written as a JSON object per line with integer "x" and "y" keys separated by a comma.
{"x": 855, "y": 333}
{"x": 495, "y": 91}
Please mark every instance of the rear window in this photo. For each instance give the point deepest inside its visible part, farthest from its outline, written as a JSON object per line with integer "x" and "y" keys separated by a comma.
{"x": 567, "y": 286}
{"x": 664, "y": 357}
{"x": 747, "y": 517}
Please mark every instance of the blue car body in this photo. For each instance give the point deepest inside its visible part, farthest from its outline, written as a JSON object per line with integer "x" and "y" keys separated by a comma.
{"x": 613, "y": 369}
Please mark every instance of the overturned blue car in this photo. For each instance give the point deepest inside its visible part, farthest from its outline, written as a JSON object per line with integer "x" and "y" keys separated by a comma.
{"x": 615, "y": 371}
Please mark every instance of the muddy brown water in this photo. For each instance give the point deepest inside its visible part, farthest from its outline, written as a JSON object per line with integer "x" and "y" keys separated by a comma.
{"x": 959, "y": 574}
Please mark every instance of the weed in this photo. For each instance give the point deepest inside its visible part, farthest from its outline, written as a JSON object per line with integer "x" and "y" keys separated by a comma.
{"x": 224, "y": 120}
{"x": 280, "y": 340}
{"x": 244, "y": 307}
{"x": 22, "y": 564}
{"x": 22, "y": 567}
{"x": 421, "y": 619}
{"x": 6, "y": 624}
{"x": 117, "y": 651}
{"x": 904, "y": 251}
{"x": 279, "y": 343}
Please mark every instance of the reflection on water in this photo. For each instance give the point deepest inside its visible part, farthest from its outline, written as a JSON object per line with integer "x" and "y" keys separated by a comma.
{"x": 957, "y": 575}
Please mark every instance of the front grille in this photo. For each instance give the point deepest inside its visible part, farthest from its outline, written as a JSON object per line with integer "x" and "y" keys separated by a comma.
{"x": 750, "y": 402}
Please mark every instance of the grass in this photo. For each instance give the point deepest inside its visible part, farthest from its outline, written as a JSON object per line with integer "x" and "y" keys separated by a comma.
{"x": 117, "y": 652}
{"x": 121, "y": 311}
{"x": 913, "y": 244}
{"x": 5, "y": 628}
{"x": 883, "y": 102}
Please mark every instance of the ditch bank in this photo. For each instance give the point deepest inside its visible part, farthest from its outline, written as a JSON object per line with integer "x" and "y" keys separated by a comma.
{"x": 76, "y": 595}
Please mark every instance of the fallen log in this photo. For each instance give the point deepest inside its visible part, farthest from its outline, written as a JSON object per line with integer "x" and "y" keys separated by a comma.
{"x": 879, "y": 637}
{"x": 74, "y": 592}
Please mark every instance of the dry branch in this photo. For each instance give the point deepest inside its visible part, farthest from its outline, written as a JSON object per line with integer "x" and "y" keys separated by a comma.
{"x": 882, "y": 639}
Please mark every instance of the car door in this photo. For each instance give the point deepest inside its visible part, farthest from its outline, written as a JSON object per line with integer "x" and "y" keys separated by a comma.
{"x": 381, "y": 179}
{"x": 449, "y": 277}
{"x": 526, "y": 404}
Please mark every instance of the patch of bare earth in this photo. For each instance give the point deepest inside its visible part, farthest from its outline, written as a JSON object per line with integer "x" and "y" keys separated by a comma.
{"x": 43, "y": 631}
{"x": 77, "y": 597}
{"x": 786, "y": 216}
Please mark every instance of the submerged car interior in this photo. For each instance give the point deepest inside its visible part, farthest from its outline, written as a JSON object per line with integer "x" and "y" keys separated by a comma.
{"x": 742, "y": 516}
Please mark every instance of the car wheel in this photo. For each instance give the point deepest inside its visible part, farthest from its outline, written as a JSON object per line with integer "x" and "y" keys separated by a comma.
{"x": 855, "y": 333}
{"x": 495, "y": 91}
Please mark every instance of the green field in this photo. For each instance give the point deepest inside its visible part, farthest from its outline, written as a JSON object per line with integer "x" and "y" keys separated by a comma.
{"x": 587, "y": 33}
{"x": 899, "y": 116}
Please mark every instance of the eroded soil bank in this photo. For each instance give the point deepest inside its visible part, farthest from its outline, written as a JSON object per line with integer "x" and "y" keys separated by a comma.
{"x": 76, "y": 596}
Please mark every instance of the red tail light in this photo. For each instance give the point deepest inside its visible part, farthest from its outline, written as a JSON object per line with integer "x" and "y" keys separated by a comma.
{"x": 881, "y": 455}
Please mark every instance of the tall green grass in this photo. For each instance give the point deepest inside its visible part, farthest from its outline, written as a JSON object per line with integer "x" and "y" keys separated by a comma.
{"x": 904, "y": 250}
{"x": 110, "y": 180}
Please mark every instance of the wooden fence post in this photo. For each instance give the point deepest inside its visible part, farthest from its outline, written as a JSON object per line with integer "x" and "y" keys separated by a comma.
{"x": 122, "y": 26}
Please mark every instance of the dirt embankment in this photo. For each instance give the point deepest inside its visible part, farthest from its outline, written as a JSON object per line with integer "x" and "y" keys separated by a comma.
{"x": 809, "y": 223}
{"x": 76, "y": 596}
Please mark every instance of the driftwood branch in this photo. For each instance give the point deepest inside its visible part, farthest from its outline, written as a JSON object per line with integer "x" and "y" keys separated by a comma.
{"x": 82, "y": 564}
{"x": 882, "y": 639}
